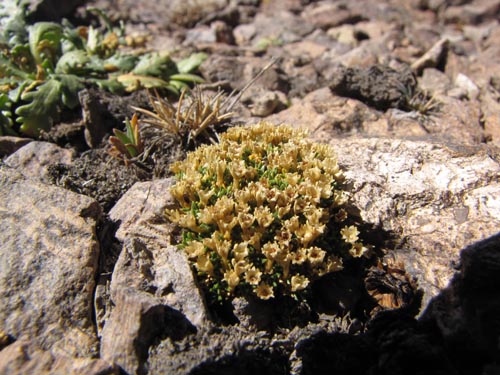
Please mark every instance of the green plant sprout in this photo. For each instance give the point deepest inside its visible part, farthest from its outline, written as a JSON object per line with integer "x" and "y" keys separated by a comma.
{"x": 127, "y": 145}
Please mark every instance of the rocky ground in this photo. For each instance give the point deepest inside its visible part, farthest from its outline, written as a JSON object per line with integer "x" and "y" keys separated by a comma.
{"x": 408, "y": 94}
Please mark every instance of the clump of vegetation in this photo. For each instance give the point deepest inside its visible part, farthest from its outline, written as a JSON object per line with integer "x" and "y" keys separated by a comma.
{"x": 195, "y": 114}
{"x": 420, "y": 101}
{"x": 262, "y": 213}
{"x": 127, "y": 145}
{"x": 44, "y": 66}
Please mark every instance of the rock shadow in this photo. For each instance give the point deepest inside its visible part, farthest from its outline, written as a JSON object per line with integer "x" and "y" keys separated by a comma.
{"x": 246, "y": 362}
{"x": 459, "y": 332}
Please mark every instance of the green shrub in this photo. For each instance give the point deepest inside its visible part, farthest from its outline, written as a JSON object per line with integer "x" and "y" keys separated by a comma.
{"x": 262, "y": 212}
{"x": 44, "y": 66}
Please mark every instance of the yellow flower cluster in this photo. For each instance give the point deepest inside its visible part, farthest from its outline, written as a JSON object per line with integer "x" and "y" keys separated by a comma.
{"x": 256, "y": 209}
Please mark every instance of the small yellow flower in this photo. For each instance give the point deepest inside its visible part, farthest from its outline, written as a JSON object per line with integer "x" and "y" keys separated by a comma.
{"x": 245, "y": 220}
{"x": 194, "y": 249}
{"x": 240, "y": 251}
{"x": 220, "y": 169}
{"x": 282, "y": 211}
{"x": 264, "y": 291}
{"x": 203, "y": 264}
{"x": 358, "y": 250}
{"x": 205, "y": 196}
{"x": 243, "y": 196}
{"x": 189, "y": 221}
{"x": 333, "y": 264}
{"x": 308, "y": 233}
{"x": 253, "y": 237}
{"x": 271, "y": 250}
{"x": 178, "y": 191}
{"x": 281, "y": 199}
{"x": 239, "y": 266}
{"x": 300, "y": 205}
{"x": 260, "y": 194}
{"x": 283, "y": 237}
{"x": 206, "y": 216}
{"x": 292, "y": 179}
{"x": 315, "y": 215}
{"x": 218, "y": 244}
{"x": 340, "y": 198}
{"x": 291, "y": 193}
{"x": 313, "y": 174}
{"x": 252, "y": 276}
{"x": 299, "y": 256}
{"x": 232, "y": 279}
{"x": 315, "y": 255}
{"x": 349, "y": 234}
{"x": 223, "y": 249}
{"x": 272, "y": 196}
{"x": 224, "y": 207}
{"x": 299, "y": 282}
{"x": 292, "y": 224}
{"x": 263, "y": 216}
{"x": 226, "y": 225}
{"x": 237, "y": 169}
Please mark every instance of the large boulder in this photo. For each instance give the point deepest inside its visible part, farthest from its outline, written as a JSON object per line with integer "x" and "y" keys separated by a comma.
{"x": 48, "y": 264}
{"x": 153, "y": 290}
{"x": 435, "y": 199}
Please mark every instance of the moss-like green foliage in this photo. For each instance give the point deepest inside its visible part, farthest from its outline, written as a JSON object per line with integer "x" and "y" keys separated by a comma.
{"x": 262, "y": 212}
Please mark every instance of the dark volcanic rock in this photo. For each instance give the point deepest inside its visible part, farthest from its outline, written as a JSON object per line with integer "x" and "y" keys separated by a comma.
{"x": 467, "y": 311}
{"x": 379, "y": 86}
{"x": 52, "y": 10}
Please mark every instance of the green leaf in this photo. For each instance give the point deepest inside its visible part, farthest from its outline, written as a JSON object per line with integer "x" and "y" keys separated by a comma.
{"x": 13, "y": 22}
{"x": 70, "y": 86}
{"x": 94, "y": 39}
{"x": 185, "y": 77}
{"x": 41, "y": 110}
{"x": 71, "y": 39}
{"x": 122, "y": 136}
{"x": 177, "y": 86}
{"x": 45, "y": 42}
{"x": 191, "y": 63}
{"x": 103, "y": 16}
{"x": 123, "y": 63}
{"x": 5, "y": 116}
{"x": 155, "y": 64}
{"x": 111, "y": 85}
{"x": 73, "y": 62}
{"x": 80, "y": 63}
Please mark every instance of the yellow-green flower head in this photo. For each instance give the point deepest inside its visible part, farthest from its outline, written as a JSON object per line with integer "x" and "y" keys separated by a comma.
{"x": 261, "y": 212}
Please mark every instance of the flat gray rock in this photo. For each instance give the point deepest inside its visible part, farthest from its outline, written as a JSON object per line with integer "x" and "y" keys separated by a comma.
{"x": 34, "y": 158}
{"x": 48, "y": 264}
